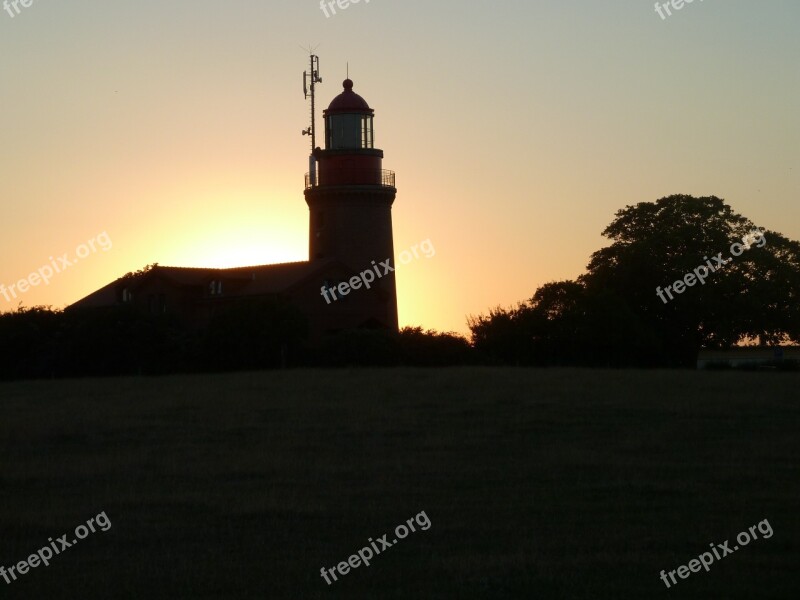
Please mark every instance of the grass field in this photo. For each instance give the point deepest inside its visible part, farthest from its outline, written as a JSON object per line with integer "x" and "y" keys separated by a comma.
{"x": 537, "y": 483}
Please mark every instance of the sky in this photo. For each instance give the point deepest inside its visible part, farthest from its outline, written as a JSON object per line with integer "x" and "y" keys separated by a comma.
{"x": 170, "y": 132}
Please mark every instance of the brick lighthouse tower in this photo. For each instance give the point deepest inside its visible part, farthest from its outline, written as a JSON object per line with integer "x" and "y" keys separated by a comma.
{"x": 350, "y": 198}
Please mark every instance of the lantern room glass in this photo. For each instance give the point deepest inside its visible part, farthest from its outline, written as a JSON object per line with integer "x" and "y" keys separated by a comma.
{"x": 349, "y": 131}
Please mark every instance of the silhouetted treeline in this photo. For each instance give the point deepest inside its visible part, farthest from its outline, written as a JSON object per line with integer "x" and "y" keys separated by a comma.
{"x": 617, "y": 314}
{"x": 248, "y": 335}
{"x": 410, "y": 347}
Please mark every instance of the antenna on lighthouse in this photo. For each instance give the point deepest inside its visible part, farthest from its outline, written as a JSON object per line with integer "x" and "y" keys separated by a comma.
{"x": 310, "y": 79}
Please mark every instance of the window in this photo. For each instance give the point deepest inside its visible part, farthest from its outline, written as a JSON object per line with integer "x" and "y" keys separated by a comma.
{"x": 157, "y": 304}
{"x": 127, "y": 296}
{"x": 366, "y": 132}
{"x": 344, "y": 131}
{"x": 332, "y": 288}
{"x": 215, "y": 288}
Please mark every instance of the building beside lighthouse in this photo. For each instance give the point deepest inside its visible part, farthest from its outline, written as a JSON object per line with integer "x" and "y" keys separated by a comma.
{"x": 349, "y": 197}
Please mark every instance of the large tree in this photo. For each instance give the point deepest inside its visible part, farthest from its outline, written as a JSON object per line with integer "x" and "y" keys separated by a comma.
{"x": 620, "y": 312}
{"x": 754, "y": 295}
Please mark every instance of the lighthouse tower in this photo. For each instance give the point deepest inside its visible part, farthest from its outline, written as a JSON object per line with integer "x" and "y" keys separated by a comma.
{"x": 350, "y": 198}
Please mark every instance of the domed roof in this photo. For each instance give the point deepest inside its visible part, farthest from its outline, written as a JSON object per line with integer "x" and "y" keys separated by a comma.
{"x": 348, "y": 101}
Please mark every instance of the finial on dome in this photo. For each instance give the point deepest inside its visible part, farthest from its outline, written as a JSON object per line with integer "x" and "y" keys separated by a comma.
{"x": 348, "y": 101}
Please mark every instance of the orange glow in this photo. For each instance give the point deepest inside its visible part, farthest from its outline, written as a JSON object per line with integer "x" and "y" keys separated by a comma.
{"x": 180, "y": 135}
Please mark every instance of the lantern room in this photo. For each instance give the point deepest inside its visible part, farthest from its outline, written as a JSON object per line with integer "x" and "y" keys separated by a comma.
{"x": 349, "y": 122}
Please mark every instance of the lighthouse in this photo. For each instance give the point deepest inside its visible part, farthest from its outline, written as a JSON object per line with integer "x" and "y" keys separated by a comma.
{"x": 350, "y": 197}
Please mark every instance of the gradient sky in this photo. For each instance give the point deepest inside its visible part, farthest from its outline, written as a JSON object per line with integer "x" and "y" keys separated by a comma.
{"x": 516, "y": 130}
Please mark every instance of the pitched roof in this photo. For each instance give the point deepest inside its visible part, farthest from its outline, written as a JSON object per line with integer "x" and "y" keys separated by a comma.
{"x": 253, "y": 280}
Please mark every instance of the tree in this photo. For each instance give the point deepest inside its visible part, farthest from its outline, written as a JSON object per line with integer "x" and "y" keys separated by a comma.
{"x": 613, "y": 314}
{"x": 501, "y": 337}
{"x": 656, "y": 244}
{"x": 432, "y": 348}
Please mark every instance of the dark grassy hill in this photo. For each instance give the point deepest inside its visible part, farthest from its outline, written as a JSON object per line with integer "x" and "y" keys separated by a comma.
{"x": 537, "y": 483}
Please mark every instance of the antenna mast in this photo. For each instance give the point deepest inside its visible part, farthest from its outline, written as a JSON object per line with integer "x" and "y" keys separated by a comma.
{"x": 310, "y": 79}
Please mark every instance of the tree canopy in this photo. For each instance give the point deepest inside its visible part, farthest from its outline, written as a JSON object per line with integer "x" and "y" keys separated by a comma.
{"x": 614, "y": 315}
